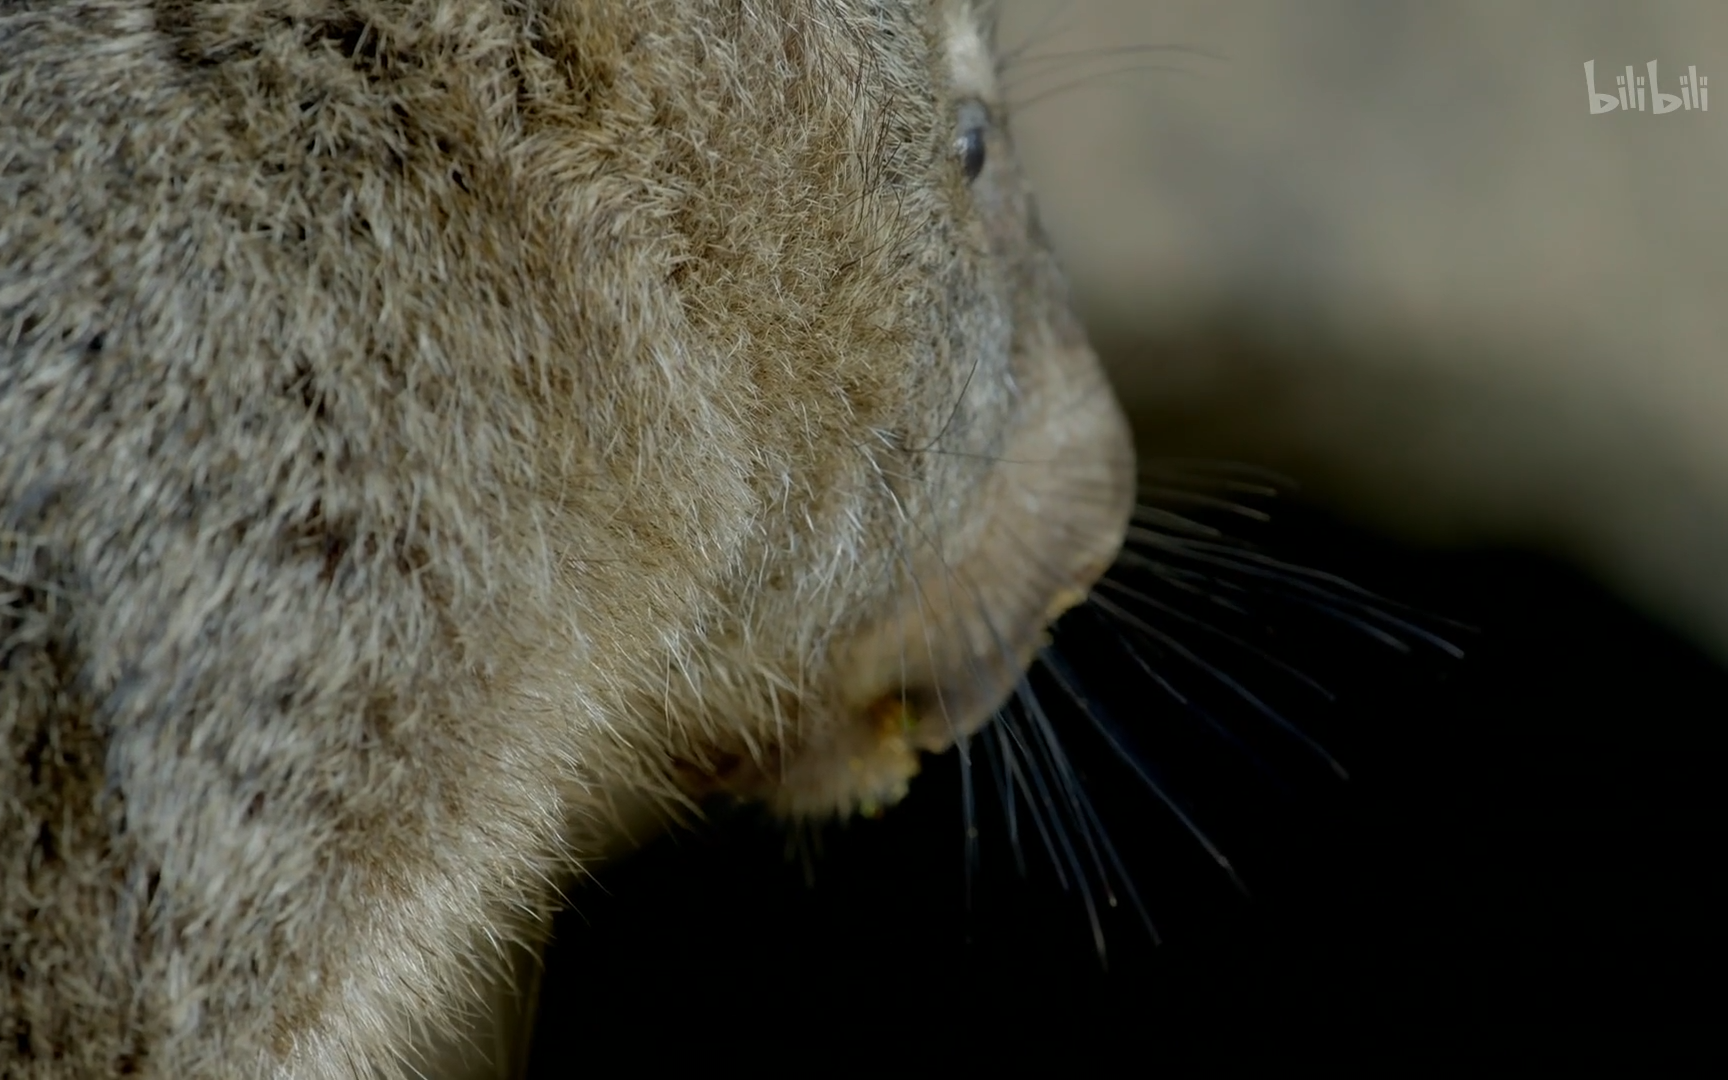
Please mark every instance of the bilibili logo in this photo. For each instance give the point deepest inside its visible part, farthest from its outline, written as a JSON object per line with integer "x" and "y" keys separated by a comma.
{"x": 1630, "y": 87}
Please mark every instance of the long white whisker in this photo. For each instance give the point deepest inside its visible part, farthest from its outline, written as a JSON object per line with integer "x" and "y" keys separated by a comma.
{"x": 1059, "y": 670}
{"x": 1082, "y": 883}
{"x": 1202, "y": 625}
{"x": 1005, "y": 784}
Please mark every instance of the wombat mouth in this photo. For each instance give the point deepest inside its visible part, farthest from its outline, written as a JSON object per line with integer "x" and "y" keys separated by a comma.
{"x": 863, "y": 757}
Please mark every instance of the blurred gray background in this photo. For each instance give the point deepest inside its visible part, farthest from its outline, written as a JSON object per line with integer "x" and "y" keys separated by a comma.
{"x": 1386, "y": 248}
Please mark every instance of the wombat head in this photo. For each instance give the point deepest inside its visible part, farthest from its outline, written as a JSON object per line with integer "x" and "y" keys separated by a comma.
{"x": 430, "y": 428}
{"x": 946, "y": 468}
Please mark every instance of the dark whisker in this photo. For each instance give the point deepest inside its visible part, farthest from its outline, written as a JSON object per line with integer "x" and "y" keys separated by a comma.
{"x": 1022, "y": 105}
{"x": 1103, "y": 51}
{"x": 1006, "y": 58}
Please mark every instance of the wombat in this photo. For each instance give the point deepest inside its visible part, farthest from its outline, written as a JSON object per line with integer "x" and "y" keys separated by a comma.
{"x": 438, "y": 437}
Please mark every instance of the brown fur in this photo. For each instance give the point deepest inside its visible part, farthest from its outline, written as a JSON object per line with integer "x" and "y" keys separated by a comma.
{"x": 432, "y": 431}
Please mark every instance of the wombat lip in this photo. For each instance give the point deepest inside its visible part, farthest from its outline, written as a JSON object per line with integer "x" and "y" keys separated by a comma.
{"x": 893, "y": 714}
{"x": 936, "y": 715}
{"x": 1067, "y": 600}
{"x": 963, "y": 679}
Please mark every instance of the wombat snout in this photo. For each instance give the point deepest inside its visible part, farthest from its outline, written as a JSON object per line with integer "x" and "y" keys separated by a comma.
{"x": 1047, "y": 521}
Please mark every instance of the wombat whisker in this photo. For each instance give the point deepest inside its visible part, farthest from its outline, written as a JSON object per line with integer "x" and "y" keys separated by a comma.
{"x": 1069, "y": 56}
{"x": 1196, "y": 583}
{"x": 968, "y": 818}
{"x": 992, "y": 736}
{"x": 1023, "y": 105}
{"x": 1143, "y": 770}
{"x": 1023, "y": 692}
{"x": 953, "y": 412}
{"x": 1216, "y": 474}
{"x": 1317, "y": 588}
{"x": 1236, "y": 555}
{"x": 961, "y": 739}
{"x": 1189, "y": 705}
{"x": 1168, "y": 521}
{"x": 1167, "y": 549}
{"x": 1385, "y": 637}
{"x": 1111, "y": 581}
{"x": 1103, "y": 605}
{"x": 1182, "y": 548}
{"x": 1041, "y": 754}
{"x": 1201, "y": 499}
{"x": 1083, "y": 815}
{"x": 1031, "y": 749}
{"x": 1127, "y": 879}
{"x": 1247, "y": 696}
{"x": 1005, "y": 58}
{"x": 803, "y": 840}
{"x": 1037, "y": 799}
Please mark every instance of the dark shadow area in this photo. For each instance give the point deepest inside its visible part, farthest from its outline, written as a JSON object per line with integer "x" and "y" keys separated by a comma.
{"x": 1529, "y": 837}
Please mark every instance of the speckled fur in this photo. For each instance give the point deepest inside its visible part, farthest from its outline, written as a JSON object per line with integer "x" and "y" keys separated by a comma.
{"x": 433, "y": 430}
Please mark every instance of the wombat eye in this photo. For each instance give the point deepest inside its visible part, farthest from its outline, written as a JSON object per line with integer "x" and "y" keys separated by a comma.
{"x": 969, "y": 144}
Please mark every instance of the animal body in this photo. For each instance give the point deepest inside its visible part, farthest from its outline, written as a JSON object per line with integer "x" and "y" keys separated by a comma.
{"x": 441, "y": 439}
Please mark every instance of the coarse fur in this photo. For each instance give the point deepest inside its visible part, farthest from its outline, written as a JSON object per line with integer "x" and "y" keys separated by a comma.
{"x": 438, "y": 437}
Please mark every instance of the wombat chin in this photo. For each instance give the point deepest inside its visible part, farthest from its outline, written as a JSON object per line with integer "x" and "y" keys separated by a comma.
{"x": 437, "y": 436}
